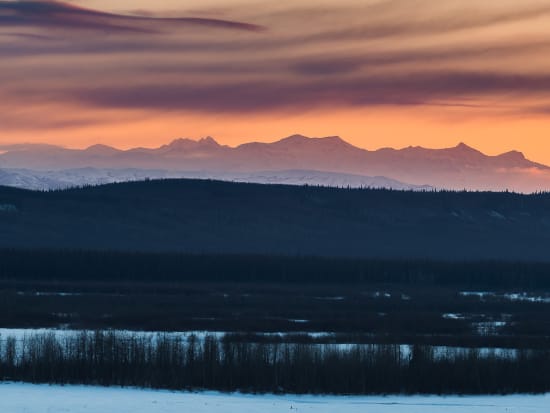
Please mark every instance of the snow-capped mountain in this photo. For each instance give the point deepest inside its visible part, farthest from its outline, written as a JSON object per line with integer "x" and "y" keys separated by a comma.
{"x": 46, "y": 180}
{"x": 459, "y": 167}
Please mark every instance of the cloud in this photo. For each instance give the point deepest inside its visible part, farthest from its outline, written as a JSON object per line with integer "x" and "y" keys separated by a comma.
{"x": 28, "y": 36}
{"x": 340, "y": 64}
{"x": 307, "y": 59}
{"x": 409, "y": 18}
{"x": 433, "y": 88}
{"x": 55, "y": 15}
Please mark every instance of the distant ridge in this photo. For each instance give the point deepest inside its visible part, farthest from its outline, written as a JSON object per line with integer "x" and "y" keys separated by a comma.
{"x": 68, "y": 178}
{"x": 233, "y": 218}
{"x": 458, "y": 167}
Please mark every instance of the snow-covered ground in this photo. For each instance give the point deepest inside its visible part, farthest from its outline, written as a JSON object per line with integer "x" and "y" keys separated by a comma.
{"x": 28, "y": 398}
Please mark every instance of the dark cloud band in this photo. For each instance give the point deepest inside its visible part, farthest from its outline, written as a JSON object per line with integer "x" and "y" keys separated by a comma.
{"x": 60, "y": 15}
{"x": 437, "y": 88}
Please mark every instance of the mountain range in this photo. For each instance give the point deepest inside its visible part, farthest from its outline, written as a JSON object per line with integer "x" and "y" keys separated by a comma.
{"x": 297, "y": 159}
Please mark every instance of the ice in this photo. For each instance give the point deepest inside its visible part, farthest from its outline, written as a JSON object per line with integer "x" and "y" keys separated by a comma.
{"x": 453, "y": 316}
{"x": 29, "y": 398}
{"x": 523, "y": 296}
{"x": 489, "y": 327}
{"x": 527, "y": 297}
{"x": 479, "y": 294}
{"x": 378, "y": 294}
{"x": 337, "y": 298}
{"x": 49, "y": 294}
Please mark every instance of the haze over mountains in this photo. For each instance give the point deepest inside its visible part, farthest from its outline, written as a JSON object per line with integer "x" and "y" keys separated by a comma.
{"x": 43, "y": 180}
{"x": 297, "y": 159}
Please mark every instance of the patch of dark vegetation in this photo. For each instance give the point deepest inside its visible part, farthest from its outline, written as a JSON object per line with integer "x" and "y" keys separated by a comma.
{"x": 359, "y": 300}
{"x": 102, "y": 265}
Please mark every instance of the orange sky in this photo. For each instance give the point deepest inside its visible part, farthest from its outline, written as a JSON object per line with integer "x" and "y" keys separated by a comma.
{"x": 376, "y": 72}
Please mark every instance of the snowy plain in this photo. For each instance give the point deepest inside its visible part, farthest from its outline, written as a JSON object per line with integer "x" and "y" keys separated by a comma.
{"x": 29, "y": 398}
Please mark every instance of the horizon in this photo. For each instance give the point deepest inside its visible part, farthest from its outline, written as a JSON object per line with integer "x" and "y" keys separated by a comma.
{"x": 381, "y": 73}
{"x": 326, "y": 161}
{"x": 5, "y": 147}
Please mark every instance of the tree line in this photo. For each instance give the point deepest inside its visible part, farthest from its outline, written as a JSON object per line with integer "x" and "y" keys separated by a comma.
{"x": 90, "y": 265}
{"x": 218, "y": 363}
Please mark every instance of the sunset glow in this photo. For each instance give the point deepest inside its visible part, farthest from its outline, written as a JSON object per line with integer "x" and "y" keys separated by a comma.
{"x": 378, "y": 73}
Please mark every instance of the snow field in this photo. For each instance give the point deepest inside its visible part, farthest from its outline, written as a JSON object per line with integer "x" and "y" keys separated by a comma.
{"x": 29, "y": 398}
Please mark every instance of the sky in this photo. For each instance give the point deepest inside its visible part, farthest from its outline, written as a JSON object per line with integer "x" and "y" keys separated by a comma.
{"x": 378, "y": 73}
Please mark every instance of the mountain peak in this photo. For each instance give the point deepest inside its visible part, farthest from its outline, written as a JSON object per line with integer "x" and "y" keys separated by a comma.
{"x": 301, "y": 139}
{"x": 100, "y": 149}
{"x": 294, "y": 138}
{"x": 465, "y": 151}
{"x": 463, "y": 147}
{"x": 186, "y": 143}
{"x": 334, "y": 138}
{"x": 209, "y": 140}
{"x": 513, "y": 156}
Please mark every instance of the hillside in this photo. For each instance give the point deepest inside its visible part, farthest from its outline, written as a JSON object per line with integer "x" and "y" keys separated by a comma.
{"x": 213, "y": 216}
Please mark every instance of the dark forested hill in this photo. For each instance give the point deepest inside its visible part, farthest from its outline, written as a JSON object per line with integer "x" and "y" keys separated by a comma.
{"x": 211, "y": 216}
